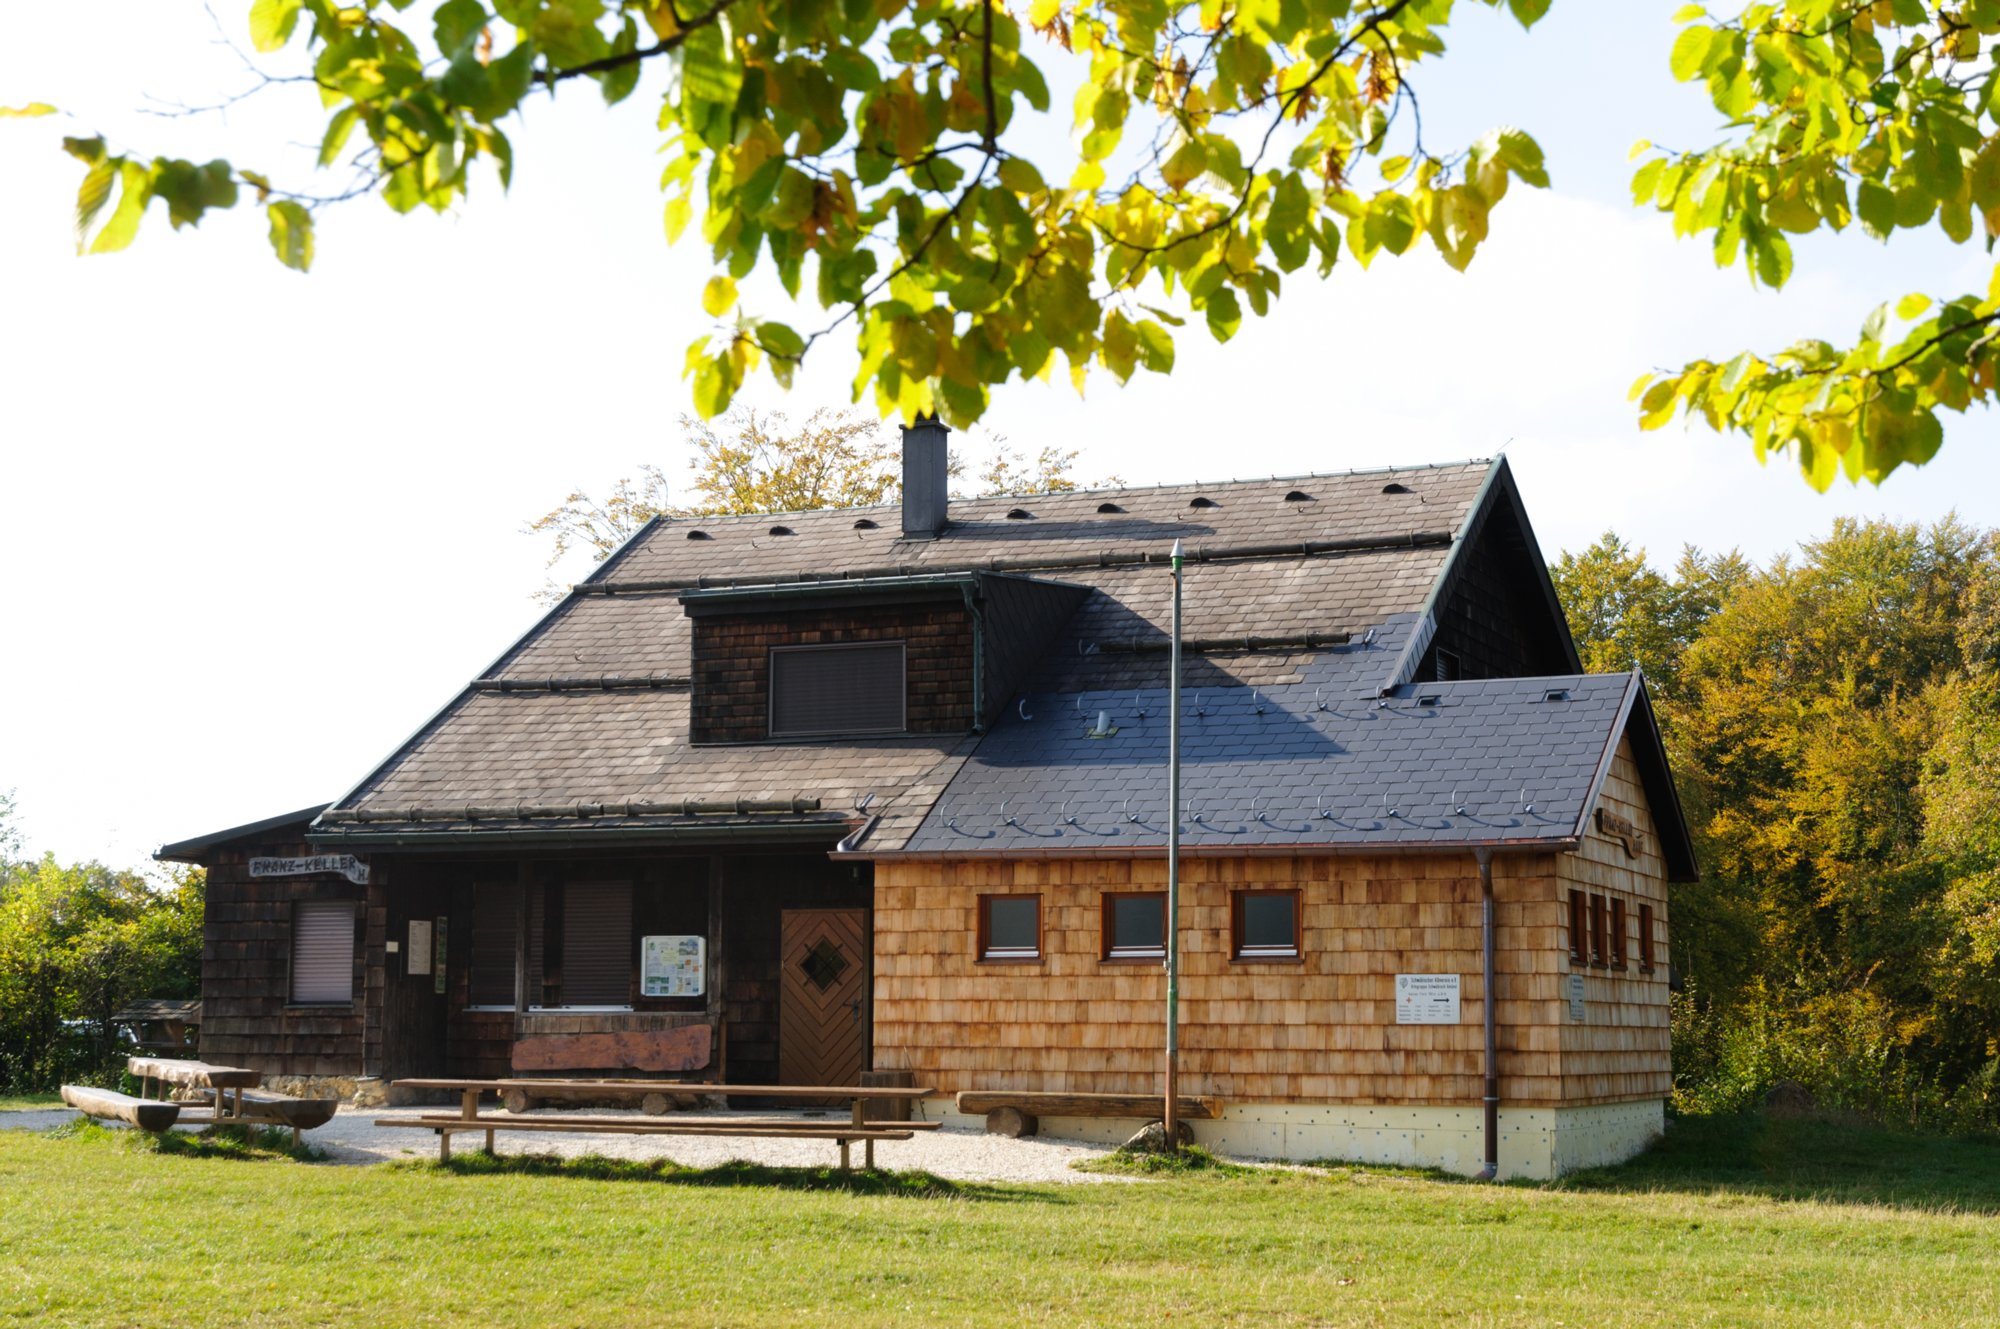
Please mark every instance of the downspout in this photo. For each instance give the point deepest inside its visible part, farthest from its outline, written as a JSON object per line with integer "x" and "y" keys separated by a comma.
{"x": 1492, "y": 1100}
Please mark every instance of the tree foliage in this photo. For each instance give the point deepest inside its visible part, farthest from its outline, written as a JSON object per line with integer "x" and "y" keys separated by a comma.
{"x": 1833, "y": 720}
{"x": 752, "y": 461}
{"x": 874, "y": 159}
{"x": 76, "y": 944}
{"x": 1880, "y": 113}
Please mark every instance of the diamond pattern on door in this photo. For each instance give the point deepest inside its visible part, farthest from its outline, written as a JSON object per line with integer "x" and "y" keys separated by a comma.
{"x": 823, "y": 1035}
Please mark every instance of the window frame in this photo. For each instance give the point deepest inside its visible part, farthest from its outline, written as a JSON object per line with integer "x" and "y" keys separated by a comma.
{"x": 983, "y": 930}
{"x": 771, "y": 730}
{"x": 1646, "y": 965}
{"x": 292, "y": 998}
{"x": 1598, "y": 926}
{"x": 1108, "y": 951}
{"x": 1579, "y": 926}
{"x": 1619, "y": 940}
{"x": 1241, "y": 953}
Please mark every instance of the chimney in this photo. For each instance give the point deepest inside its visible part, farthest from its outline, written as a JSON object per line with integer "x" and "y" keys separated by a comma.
{"x": 926, "y": 478}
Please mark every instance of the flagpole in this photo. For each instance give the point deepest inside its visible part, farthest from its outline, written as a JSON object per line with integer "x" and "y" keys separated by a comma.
{"x": 1170, "y": 1120}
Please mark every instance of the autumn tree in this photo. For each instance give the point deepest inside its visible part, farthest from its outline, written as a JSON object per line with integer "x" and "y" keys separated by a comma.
{"x": 879, "y": 162}
{"x": 754, "y": 461}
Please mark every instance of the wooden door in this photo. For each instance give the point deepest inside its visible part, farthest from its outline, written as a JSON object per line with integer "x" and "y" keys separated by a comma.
{"x": 823, "y": 996}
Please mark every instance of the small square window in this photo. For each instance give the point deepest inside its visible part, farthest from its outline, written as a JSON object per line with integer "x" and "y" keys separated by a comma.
{"x": 1010, "y": 927}
{"x": 1135, "y": 925}
{"x": 1265, "y": 925}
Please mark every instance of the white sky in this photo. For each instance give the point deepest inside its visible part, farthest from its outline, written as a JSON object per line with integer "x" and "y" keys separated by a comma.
{"x": 257, "y": 527}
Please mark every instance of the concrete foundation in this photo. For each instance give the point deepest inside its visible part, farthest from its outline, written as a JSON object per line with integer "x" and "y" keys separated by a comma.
{"x": 1536, "y": 1143}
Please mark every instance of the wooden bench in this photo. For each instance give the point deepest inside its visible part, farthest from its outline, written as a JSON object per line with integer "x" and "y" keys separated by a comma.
{"x": 853, "y": 1130}
{"x": 1017, "y": 1114}
{"x": 231, "y": 1095}
{"x": 110, "y": 1105}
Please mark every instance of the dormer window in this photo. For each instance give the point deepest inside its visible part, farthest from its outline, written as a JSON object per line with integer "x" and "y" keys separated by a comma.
{"x": 817, "y": 691}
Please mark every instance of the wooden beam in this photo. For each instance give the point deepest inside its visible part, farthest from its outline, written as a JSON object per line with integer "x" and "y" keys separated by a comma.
{"x": 110, "y": 1105}
{"x": 196, "y": 1074}
{"x": 1141, "y": 1106}
{"x": 523, "y": 876}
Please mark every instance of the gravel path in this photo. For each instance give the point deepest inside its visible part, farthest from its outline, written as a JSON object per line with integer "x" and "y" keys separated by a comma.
{"x": 959, "y": 1155}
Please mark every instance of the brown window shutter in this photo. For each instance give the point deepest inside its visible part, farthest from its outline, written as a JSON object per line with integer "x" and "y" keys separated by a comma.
{"x": 1579, "y": 949}
{"x": 322, "y": 952}
{"x": 1597, "y": 947}
{"x": 493, "y": 924}
{"x": 1646, "y": 938}
{"x": 597, "y": 943}
{"x": 1618, "y": 941}
{"x": 837, "y": 690}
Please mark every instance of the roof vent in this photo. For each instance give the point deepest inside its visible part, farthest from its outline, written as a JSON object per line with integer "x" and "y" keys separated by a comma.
{"x": 1556, "y": 694}
{"x": 864, "y": 525}
{"x": 1394, "y": 487}
{"x": 699, "y": 535}
{"x": 1019, "y": 514}
{"x": 1203, "y": 501}
{"x": 1109, "y": 507}
{"x": 1299, "y": 496}
{"x": 781, "y": 530}
{"x": 1429, "y": 699}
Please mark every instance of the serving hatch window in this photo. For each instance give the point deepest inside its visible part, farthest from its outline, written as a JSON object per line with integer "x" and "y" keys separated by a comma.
{"x": 850, "y": 689}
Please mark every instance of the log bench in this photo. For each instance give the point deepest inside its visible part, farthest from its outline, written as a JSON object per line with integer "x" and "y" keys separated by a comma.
{"x": 110, "y": 1105}
{"x": 231, "y": 1096}
{"x": 1017, "y": 1114}
{"x": 855, "y": 1129}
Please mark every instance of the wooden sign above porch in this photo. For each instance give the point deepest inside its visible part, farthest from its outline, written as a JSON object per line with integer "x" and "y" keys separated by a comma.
{"x": 347, "y": 865}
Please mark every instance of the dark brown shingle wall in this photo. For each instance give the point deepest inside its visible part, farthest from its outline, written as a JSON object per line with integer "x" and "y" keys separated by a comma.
{"x": 732, "y": 663}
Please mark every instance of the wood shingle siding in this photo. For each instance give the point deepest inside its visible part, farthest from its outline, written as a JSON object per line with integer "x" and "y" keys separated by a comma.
{"x": 249, "y": 1018}
{"x": 1321, "y": 1029}
{"x": 1620, "y": 1051}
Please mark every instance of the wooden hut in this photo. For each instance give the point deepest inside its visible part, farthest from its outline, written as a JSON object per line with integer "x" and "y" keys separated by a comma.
{"x": 804, "y": 796}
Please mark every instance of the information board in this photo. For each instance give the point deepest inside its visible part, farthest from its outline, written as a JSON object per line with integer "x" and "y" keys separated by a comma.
{"x": 673, "y": 966}
{"x": 420, "y": 948}
{"x": 1576, "y": 998}
{"x": 1426, "y": 998}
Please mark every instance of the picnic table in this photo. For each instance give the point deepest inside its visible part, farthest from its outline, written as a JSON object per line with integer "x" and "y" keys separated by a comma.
{"x": 231, "y": 1095}
{"x": 855, "y": 1130}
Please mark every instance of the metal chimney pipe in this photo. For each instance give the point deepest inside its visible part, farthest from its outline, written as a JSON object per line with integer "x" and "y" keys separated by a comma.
{"x": 926, "y": 478}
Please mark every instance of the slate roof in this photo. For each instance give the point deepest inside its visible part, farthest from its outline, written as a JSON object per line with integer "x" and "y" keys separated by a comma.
{"x": 1314, "y": 763}
{"x": 581, "y": 728}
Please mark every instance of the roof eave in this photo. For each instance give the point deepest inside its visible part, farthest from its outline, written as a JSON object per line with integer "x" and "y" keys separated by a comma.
{"x": 186, "y": 851}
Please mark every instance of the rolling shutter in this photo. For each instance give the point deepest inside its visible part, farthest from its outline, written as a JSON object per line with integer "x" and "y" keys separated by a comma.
{"x": 322, "y": 952}
{"x": 493, "y": 920}
{"x": 597, "y": 943}
{"x": 837, "y": 690}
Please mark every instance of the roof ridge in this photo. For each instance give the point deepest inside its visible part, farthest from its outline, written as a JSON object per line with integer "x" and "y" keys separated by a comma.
{"x": 668, "y": 518}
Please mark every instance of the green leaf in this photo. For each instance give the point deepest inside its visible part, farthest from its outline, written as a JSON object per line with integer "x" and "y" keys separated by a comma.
{"x": 718, "y": 296}
{"x": 135, "y": 191}
{"x": 1225, "y": 315}
{"x": 25, "y": 112}
{"x": 271, "y": 23}
{"x": 457, "y": 23}
{"x": 1690, "y": 51}
{"x": 1020, "y": 175}
{"x": 1156, "y": 347}
{"x": 91, "y": 197}
{"x": 1528, "y": 12}
{"x": 1910, "y": 306}
{"x": 1875, "y": 202}
{"x": 291, "y": 234}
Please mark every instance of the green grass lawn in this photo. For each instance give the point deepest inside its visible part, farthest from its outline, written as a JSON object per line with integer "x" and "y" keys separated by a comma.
{"x": 29, "y": 1102}
{"x": 1737, "y": 1222}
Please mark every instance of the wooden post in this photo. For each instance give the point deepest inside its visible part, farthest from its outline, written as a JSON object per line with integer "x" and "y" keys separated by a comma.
{"x": 867, "y": 1146}
{"x": 523, "y": 876}
{"x": 718, "y": 1014}
{"x": 444, "y": 1145}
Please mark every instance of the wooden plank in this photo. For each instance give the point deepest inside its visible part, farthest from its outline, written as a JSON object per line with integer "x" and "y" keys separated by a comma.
{"x": 110, "y": 1105}
{"x": 196, "y": 1074}
{"x": 830, "y": 1131}
{"x": 299, "y": 1113}
{"x": 757, "y": 1123}
{"x": 1197, "y": 1108}
{"x": 642, "y": 1087}
{"x": 686, "y": 1048}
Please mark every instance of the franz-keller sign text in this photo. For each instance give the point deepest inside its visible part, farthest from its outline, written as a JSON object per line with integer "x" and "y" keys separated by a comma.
{"x": 347, "y": 865}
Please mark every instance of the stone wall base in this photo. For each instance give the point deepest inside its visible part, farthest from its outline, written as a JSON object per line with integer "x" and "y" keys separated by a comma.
{"x": 1535, "y": 1142}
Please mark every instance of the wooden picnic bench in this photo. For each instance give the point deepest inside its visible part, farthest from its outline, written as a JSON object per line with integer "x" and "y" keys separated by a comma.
{"x": 1018, "y": 1113}
{"x": 844, "y": 1133}
{"x": 110, "y": 1105}
{"x": 231, "y": 1095}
